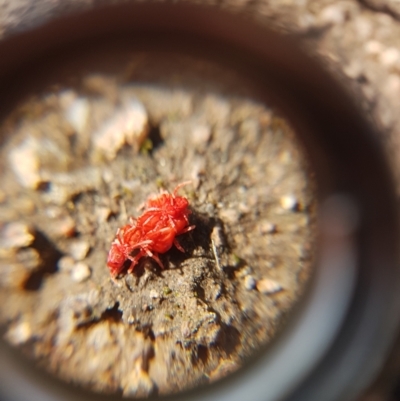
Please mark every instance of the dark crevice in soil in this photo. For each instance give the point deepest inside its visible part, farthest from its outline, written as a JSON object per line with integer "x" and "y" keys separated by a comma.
{"x": 44, "y": 186}
{"x": 228, "y": 338}
{"x": 79, "y": 197}
{"x": 202, "y": 233}
{"x": 200, "y": 354}
{"x": 49, "y": 255}
{"x": 230, "y": 270}
{"x": 155, "y": 138}
{"x": 112, "y": 314}
{"x": 147, "y": 331}
{"x": 199, "y": 291}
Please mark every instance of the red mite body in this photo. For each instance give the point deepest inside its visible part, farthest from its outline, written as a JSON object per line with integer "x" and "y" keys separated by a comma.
{"x": 165, "y": 216}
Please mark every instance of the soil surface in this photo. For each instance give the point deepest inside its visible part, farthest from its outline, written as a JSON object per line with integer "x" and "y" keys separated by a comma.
{"x": 80, "y": 157}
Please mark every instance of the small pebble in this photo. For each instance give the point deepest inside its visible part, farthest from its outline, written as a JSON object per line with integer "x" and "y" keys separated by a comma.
{"x": 131, "y": 319}
{"x": 373, "y": 47}
{"x": 229, "y": 215}
{"x": 129, "y": 125}
{"x": 185, "y": 329}
{"x": 79, "y": 249}
{"x": 77, "y": 114}
{"x": 99, "y": 336}
{"x": 209, "y": 209}
{"x": 29, "y": 258}
{"x": 139, "y": 384}
{"x": 19, "y": 333}
{"x": 224, "y": 369}
{"x": 201, "y": 134}
{"x": 390, "y": 57}
{"x": 13, "y": 275}
{"x": 354, "y": 69}
{"x": 63, "y": 227}
{"x": 154, "y": 294}
{"x": 244, "y": 208}
{"x": 24, "y": 162}
{"x": 65, "y": 186}
{"x": 103, "y": 213}
{"x": 66, "y": 264}
{"x": 80, "y": 272}
{"x": 334, "y": 14}
{"x": 267, "y": 227}
{"x": 167, "y": 290}
{"x": 16, "y": 235}
{"x": 249, "y": 282}
{"x": 289, "y": 203}
{"x": 53, "y": 212}
{"x": 108, "y": 176}
{"x": 245, "y": 271}
{"x": 268, "y": 286}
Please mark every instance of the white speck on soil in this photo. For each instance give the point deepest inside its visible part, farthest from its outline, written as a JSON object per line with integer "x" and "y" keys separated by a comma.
{"x": 249, "y": 282}
{"x": 80, "y": 272}
{"x": 229, "y": 215}
{"x": 24, "y": 162}
{"x": 66, "y": 264}
{"x": 16, "y": 235}
{"x": 289, "y": 203}
{"x": 268, "y": 286}
{"x": 79, "y": 249}
{"x": 390, "y": 57}
{"x": 77, "y": 114}
{"x": 63, "y": 227}
{"x": 129, "y": 125}
{"x": 201, "y": 134}
{"x": 266, "y": 227}
{"x": 373, "y": 47}
{"x": 103, "y": 213}
{"x": 19, "y": 333}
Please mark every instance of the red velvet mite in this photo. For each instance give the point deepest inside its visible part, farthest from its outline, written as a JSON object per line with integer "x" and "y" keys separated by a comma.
{"x": 154, "y": 232}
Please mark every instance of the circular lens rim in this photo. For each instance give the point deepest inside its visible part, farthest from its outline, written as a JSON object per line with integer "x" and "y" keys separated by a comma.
{"x": 342, "y": 145}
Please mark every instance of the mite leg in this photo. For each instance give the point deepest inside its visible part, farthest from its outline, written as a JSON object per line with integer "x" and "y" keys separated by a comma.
{"x": 134, "y": 261}
{"x": 172, "y": 223}
{"x": 153, "y": 209}
{"x": 141, "y": 244}
{"x": 178, "y": 245}
{"x": 155, "y": 257}
{"x": 179, "y": 186}
{"x": 187, "y": 229}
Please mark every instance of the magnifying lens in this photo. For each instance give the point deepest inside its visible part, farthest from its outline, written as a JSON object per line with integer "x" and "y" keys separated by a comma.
{"x": 335, "y": 336}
